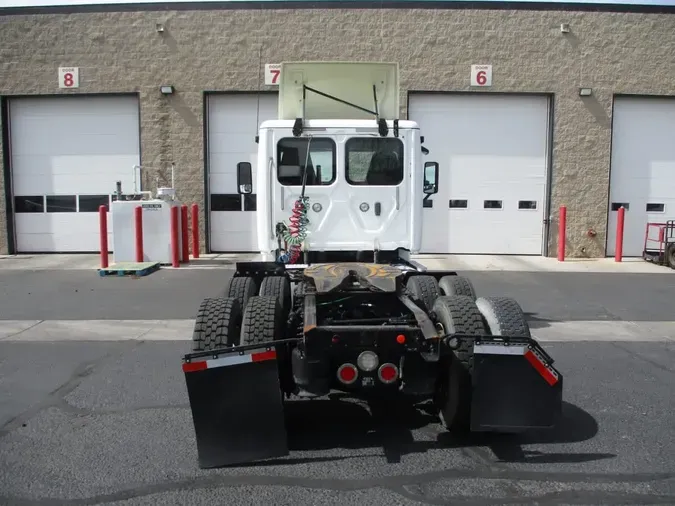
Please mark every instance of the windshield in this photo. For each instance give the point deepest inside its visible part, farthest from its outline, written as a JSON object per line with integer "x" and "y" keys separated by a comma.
{"x": 292, "y": 155}
{"x": 374, "y": 161}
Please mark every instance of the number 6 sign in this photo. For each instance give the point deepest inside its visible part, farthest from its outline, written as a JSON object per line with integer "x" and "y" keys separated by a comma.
{"x": 69, "y": 77}
{"x": 481, "y": 75}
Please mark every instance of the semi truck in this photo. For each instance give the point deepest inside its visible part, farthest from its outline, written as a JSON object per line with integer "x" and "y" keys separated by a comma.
{"x": 335, "y": 300}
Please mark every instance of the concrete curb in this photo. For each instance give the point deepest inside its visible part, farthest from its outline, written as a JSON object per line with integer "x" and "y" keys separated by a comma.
{"x": 181, "y": 330}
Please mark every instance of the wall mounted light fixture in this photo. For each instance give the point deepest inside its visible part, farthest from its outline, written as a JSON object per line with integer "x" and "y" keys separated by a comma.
{"x": 564, "y": 28}
{"x": 167, "y": 90}
{"x": 159, "y": 27}
{"x": 585, "y": 92}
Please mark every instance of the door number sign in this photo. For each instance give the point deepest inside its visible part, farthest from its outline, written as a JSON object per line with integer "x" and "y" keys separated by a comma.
{"x": 272, "y": 73}
{"x": 69, "y": 77}
{"x": 481, "y": 75}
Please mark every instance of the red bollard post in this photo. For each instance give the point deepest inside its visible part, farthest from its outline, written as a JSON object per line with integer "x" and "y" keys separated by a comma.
{"x": 103, "y": 227}
{"x": 195, "y": 231}
{"x": 184, "y": 232}
{"x": 620, "y": 220}
{"x": 175, "y": 250}
{"x": 138, "y": 221}
{"x": 562, "y": 233}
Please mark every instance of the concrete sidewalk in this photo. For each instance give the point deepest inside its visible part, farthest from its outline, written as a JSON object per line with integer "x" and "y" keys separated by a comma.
{"x": 181, "y": 330}
{"x": 513, "y": 263}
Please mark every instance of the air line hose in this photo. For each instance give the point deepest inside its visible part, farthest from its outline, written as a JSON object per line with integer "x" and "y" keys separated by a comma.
{"x": 296, "y": 232}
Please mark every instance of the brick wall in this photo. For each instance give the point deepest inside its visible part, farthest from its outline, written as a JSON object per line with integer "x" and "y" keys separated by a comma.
{"x": 218, "y": 50}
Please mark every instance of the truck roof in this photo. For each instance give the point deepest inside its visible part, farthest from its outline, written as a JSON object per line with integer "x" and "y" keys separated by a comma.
{"x": 336, "y": 123}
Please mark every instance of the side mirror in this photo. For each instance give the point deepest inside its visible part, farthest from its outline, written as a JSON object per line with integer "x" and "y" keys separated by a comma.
{"x": 430, "y": 178}
{"x": 244, "y": 178}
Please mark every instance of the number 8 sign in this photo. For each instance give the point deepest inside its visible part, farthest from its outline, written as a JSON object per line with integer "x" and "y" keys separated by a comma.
{"x": 481, "y": 75}
{"x": 69, "y": 77}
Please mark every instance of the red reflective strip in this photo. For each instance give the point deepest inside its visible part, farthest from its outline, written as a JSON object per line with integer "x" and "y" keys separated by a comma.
{"x": 194, "y": 366}
{"x": 550, "y": 378}
{"x": 265, "y": 355}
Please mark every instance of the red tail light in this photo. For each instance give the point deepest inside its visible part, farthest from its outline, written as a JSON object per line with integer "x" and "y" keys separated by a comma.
{"x": 388, "y": 373}
{"x": 347, "y": 373}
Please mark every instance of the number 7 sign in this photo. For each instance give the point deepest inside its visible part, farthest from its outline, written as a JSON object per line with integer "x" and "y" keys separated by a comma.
{"x": 272, "y": 73}
{"x": 481, "y": 75}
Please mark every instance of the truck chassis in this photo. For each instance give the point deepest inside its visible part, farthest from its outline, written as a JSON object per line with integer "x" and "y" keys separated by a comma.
{"x": 386, "y": 330}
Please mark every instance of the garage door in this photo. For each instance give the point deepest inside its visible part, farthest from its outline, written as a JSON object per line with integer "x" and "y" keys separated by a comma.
{"x": 642, "y": 177}
{"x": 66, "y": 155}
{"x": 493, "y": 156}
{"x": 232, "y": 126}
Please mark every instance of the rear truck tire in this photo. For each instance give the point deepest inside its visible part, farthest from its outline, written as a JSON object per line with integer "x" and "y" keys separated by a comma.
{"x": 458, "y": 314}
{"x": 264, "y": 322}
{"x": 277, "y": 286}
{"x": 425, "y": 289}
{"x": 218, "y": 324}
{"x": 503, "y": 316}
{"x": 242, "y": 288}
{"x": 670, "y": 256}
{"x": 457, "y": 285}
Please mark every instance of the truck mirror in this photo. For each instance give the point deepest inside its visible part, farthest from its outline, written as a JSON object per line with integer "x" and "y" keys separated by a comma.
{"x": 430, "y": 178}
{"x": 244, "y": 178}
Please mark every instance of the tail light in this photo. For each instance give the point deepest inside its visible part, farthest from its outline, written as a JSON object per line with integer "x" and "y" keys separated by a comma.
{"x": 388, "y": 373}
{"x": 347, "y": 373}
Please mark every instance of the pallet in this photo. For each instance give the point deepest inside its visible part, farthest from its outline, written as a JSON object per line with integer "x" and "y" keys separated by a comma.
{"x": 130, "y": 269}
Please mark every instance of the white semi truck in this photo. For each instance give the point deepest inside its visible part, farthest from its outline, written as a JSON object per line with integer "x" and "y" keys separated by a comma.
{"x": 336, "y": 302}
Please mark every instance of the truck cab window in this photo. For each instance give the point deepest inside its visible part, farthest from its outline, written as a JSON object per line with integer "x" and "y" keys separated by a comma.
{"x": 291, "y": 157}
{"x": 374, "y": 161}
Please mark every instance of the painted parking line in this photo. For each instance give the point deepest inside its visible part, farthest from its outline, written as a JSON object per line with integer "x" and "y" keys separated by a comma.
{"x": 181, "y": 330}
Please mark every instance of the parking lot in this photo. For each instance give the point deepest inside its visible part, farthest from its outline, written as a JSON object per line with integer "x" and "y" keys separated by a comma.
{"x": 93, "y": 408}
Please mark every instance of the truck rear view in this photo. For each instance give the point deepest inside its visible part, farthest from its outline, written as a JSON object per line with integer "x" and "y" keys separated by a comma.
{"x": 336, "y": 302}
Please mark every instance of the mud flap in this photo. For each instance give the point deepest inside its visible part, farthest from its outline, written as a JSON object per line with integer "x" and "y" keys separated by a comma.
{"x": 515, "y": 387}
{"x": 237, "y": 407}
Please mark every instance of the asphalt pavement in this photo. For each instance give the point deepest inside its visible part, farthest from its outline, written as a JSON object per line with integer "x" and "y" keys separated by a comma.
{"x": 108, "y": 422}
{"x": 176, "y": 294}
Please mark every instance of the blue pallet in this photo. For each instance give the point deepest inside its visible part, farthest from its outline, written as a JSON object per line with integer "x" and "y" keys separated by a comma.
{"x": 130, "y": 269}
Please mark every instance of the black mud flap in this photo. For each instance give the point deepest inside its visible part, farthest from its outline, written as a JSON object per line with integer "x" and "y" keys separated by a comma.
{"x": 237, "y": 407}
{"x": 515, "y": 387}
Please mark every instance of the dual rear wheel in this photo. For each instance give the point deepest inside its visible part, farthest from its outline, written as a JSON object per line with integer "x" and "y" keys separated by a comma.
{"x": 458, "y": 310}
{"x": 246, "y": 314}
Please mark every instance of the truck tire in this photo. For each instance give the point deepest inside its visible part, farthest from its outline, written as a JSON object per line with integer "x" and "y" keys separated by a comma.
{"x": 263, "y": 320}
{"x": 280, "y": 287}
{"x": 242, "y": 288}
{"x": 218, "y": 324}
{"x": 670, "y": 256}
{"x": 503, "y": 316}
{"x": 458, "y": 314}
{"x": 457, "y": 285}
{"x": 425, "y": 289}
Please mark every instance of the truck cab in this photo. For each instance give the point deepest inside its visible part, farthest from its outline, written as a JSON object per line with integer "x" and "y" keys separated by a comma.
{"x": 339, "y": 182}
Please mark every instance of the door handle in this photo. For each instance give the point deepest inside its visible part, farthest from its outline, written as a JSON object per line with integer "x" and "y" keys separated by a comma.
{"x": 378, "y": 208}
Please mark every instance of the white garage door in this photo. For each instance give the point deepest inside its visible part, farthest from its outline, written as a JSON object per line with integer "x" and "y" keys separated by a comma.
{"x": 493, "y": 157}
{"x": 642, "y": 177}
{"x": 233, "y": 122}
{"x": 67, "y": 153}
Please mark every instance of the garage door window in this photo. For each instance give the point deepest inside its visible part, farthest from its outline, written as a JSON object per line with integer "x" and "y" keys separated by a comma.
{"x": 292, "y": 155}
{"x": 61, "y": 203}
{"x": 374, "y": 161}
{"x": 32, "y": 204}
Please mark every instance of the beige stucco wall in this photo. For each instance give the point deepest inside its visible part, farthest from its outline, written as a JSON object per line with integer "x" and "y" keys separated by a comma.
{"x": 218, "y": 50}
